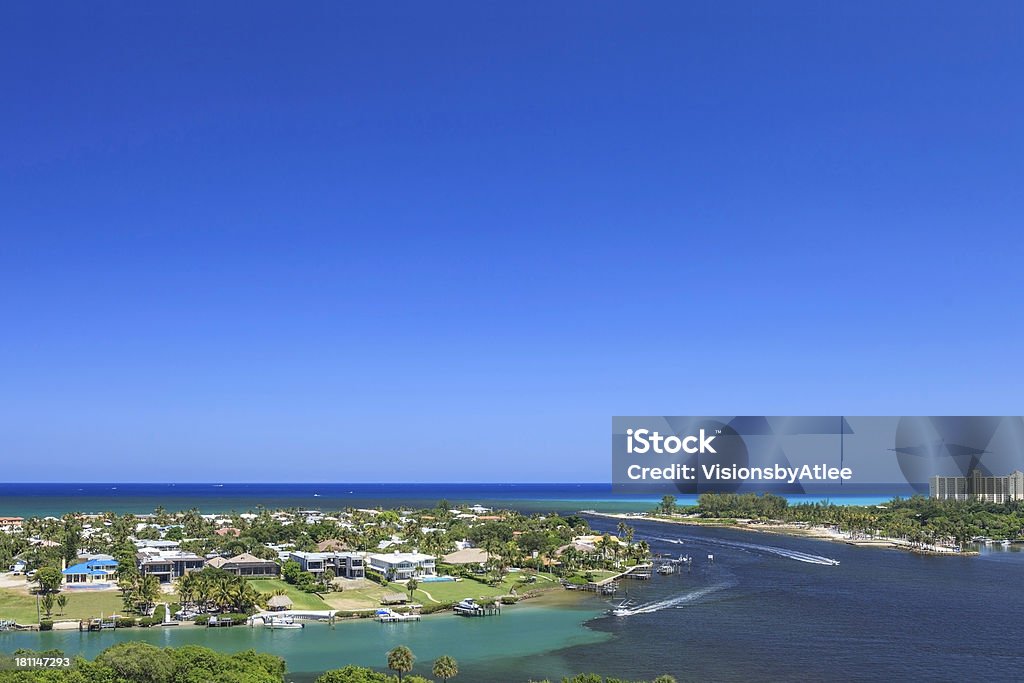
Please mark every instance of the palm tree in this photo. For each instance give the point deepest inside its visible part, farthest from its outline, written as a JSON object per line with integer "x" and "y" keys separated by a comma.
{"x": 47, "y": 603}
{"x": 411, "y": 585}
{"x": 401, "y": 660}
{"x": 445, "y": 667}
{"x": 218, "y": 594}
{"x": 570, "y": 559}
{"x": 328, "y": 579}
{"x": 146, "y": 591}
{"x": 62, "y": 601}
{"x": 188, "y": 588}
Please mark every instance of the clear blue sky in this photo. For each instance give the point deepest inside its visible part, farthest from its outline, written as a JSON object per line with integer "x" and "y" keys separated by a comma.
{"x": 248, "y": 241}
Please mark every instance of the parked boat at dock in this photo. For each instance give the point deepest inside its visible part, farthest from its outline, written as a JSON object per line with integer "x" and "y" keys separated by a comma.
{"x": 286, "y": 622}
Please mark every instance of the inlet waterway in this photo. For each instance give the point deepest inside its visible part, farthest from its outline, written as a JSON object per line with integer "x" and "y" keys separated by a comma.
{"x": 767, "y": 606}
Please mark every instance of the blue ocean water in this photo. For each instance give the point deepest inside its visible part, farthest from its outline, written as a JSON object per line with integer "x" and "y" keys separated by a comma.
{"x": 41, "y": 499}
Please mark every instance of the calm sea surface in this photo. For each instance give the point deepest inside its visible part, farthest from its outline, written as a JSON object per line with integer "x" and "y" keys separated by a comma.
{"x": 767, "y": 608}
{"x": 56, "y": 499}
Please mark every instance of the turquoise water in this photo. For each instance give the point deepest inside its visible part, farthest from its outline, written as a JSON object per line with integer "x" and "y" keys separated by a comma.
{"x": 487, "y": 648}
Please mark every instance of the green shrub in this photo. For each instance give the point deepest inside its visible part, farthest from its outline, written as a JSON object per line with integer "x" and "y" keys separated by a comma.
{"x": 146, "y": 622}
{"x": 430, "y": 609}
{"x": 126, "y": 622}
{"x": 509, "y": 599}
{"x": 202, "y": 619}
{"x": 46, "y": 625}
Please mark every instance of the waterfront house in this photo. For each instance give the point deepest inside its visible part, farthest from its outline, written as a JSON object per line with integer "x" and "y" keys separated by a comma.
{"x": 11, "y": 525}
{"x": 246, "y": 565}
{"x": 344, "y": 564}
{"x": 401, "y": 566}
{"x": 168, "y": 565}
{"x": 98, "y": 570}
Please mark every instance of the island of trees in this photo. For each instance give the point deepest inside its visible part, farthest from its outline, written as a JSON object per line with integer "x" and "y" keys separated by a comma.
{"x": 918, "y": 520}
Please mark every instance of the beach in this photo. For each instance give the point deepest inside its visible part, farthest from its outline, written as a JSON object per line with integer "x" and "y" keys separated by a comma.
{"x": 824, "y": 533}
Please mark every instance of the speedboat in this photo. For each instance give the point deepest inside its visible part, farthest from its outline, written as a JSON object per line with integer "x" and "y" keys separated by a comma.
{"x": 623, "y": 609}
{"x": 283, "y": 622}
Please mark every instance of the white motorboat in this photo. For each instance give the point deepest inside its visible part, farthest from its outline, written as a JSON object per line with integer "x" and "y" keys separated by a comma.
{"x": 283, "y": 622}
{"x": 388, "y": 615}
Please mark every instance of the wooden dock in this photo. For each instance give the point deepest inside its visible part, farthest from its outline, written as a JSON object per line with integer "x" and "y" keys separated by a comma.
{"x": 478, "y": 610}
{"x": 639, "y": 571}
{"x": 610, "y": 585}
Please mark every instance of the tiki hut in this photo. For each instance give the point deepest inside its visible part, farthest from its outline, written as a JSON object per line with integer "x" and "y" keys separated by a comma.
{"x": 278, "y": 603}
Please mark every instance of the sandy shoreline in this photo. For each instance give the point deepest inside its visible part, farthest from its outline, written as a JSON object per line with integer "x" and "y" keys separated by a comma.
{"x": 788, "y": 529}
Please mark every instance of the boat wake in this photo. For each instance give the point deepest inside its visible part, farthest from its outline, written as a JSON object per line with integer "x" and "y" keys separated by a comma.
{"x": 678, "y": 601}
{"x": 754, "y": 547}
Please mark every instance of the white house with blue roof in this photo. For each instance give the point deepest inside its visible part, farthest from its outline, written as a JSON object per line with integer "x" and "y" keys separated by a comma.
{"x": 99, "y": 569}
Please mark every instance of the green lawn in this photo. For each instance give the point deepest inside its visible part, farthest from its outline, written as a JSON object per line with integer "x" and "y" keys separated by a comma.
{"x": 453, "y": 591}
{"x": 300, "y": 599}
{"x": 366, "y": 596}
{"x": 81, "y": 605}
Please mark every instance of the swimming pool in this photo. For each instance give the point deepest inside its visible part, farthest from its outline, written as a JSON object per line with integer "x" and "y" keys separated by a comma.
{"x": 435, "y": 579}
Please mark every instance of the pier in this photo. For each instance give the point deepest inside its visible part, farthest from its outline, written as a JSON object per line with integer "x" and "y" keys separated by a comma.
{"x": 471, "y": 608}
{"x": 296, "y": 615}
{"x": 610, "y": 585}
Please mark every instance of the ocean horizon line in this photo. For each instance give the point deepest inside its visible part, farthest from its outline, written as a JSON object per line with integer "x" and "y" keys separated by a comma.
{"x": 222, "y": 482}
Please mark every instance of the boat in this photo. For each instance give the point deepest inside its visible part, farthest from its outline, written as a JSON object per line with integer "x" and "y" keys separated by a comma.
{"x": 283, "y": 622}
{"x": 471, "y": 608}
{"x": 666, "y": 569}
{"x": 623, "y": 609}
{"x": 385, "y": 615}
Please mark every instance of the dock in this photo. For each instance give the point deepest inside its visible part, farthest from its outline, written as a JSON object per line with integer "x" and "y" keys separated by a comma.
{"x": 471, "y": 608}
{"x": 610, "y": 585}
{"x": 641, "y": 572}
